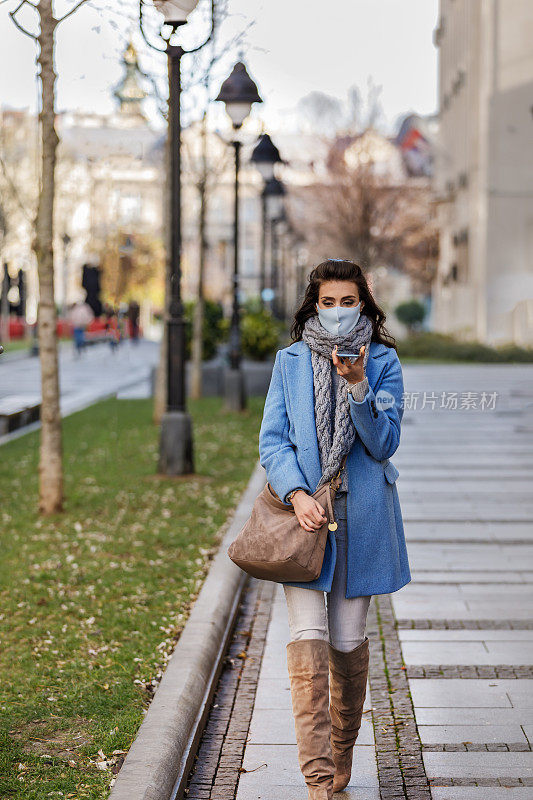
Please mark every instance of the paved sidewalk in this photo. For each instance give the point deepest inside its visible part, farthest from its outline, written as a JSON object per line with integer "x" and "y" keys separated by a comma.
{"x": 96, "y": 374}
{"x": 449, "y": 710}
{"x": 465, "y": 622}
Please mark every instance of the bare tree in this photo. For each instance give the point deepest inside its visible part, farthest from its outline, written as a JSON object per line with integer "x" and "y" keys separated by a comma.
{"x": 361, "y": 214}
{"x": 327, "y": 116}
{"x": 204, "y": 170}
{"x": 4, "y": 307}
{"x": 322, "y": 112}
{"x": 359, "y": 210}
{"x": 201, "y": 182}
{"x": 51, "y": 447}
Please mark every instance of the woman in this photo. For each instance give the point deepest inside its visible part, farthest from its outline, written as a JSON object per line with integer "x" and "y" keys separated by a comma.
{"x": 319, "y": 407}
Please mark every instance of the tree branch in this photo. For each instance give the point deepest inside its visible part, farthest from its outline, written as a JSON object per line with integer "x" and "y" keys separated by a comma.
{"x": 14, "y": 190}
{"x": 17, "y": 24}
{"x": 211, "y": 32}
{"x": 72, "y": 11}
{"x": 143, "y": 34}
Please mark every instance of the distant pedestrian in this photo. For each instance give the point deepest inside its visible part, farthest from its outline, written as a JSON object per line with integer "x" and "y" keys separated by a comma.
{"x": 111, "y": 326}
{"x": 320, "y": 407}
{"x": 133, "y": 318}
{"x": 80, "y": 317}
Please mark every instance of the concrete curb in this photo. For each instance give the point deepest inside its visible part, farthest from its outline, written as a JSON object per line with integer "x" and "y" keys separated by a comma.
{"x": 158, "y": 762}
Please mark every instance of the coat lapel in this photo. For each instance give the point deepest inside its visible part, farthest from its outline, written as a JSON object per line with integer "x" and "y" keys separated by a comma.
{"x": 300, "y": 389}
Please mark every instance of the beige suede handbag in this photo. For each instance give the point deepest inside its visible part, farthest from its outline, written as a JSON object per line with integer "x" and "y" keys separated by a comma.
{"x": 273, "y": 546}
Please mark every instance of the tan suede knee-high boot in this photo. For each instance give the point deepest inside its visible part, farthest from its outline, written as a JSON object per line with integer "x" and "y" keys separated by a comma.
{"x": 348, "y": 676}
{"x": 308, "y": 664}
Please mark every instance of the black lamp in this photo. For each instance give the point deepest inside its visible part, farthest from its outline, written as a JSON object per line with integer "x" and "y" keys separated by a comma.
{"x": 238, "y": 93}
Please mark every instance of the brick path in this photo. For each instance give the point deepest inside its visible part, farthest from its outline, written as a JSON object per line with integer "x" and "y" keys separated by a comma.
{"x": 449, "y": 710}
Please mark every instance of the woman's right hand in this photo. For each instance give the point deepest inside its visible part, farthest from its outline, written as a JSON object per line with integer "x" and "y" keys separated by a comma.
{"x": 309, "y": 512}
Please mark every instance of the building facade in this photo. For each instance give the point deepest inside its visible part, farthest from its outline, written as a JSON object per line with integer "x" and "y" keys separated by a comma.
{"x": 484, "y": 171}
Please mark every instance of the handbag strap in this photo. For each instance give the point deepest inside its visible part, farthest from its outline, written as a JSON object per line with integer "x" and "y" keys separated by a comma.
{"x": 336, "y": 481}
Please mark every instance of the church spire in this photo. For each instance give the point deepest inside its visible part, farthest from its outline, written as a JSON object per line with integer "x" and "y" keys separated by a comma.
{"x": 129, "y": 91}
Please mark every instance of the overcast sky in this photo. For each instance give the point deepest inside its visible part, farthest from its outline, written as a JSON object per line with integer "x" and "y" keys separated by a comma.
{"x": 292, "y": 47}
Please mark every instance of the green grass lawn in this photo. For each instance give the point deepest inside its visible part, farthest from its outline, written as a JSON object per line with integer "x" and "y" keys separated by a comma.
{"x": 93, "y": 600}
{"x": 18, "y": 345}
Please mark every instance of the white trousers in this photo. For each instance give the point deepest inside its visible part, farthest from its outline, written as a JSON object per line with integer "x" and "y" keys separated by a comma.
{"x": 314, "y": 614}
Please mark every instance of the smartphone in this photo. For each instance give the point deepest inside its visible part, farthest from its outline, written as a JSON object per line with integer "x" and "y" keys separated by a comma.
{"x": 348, "y": 355}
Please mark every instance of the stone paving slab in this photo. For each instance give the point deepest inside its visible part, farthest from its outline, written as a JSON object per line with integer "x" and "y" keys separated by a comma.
{"x": 484, "y": 532}
{"x": 475, "y": 715}
{"x": 436, "y": 734}
{"x": 285, "y": 792}
{"x": 495, "y": 612}
{"x": 478, "y": 558}
{"x": 467, "y": 590}
{"x": 423, "y": 576}
{"x": 479, "y": 765}
{"x": 450, "y": 636}
{"x": 435, "y": 652}
{"x": 481, "y": 793}
{"x": 457, "y": 692}
{"x": 431, "y": 485}
{"x": 457, "y": 609}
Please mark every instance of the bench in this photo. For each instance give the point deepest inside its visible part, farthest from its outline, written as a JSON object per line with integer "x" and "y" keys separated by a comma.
{"x": 16, "y": 411}
{"x": 96, "y": 338}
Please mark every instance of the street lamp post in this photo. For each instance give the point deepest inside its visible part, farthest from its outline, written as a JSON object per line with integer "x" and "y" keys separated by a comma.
{"x": 274, "y": 192}
{"x": 176, "y": 443}
{"x": 265, "y": 156}
{"x": 282, "y": 232}
{"x": 238, "y": 92}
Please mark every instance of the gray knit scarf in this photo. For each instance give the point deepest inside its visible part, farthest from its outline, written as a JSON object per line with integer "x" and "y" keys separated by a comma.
{"x": 333, "y": 444}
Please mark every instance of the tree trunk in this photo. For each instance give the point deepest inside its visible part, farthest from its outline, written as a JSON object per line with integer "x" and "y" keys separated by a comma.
{"x": 50, "y": 462}
{"x": 160, "y": 393}
{"x": 198, "y": 318}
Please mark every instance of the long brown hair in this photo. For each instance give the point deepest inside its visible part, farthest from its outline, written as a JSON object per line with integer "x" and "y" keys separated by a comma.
{"x": 341, "y": 270}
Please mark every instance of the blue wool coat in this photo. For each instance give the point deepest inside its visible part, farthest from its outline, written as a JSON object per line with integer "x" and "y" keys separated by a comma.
{"x": 288, "y": 450}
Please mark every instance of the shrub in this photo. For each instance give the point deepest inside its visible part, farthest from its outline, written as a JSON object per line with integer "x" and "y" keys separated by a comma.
{"x": 411, "y": 313}
{"x": 260, "y": 333}
{"x": 212, "y": 329}
{"x": 441, "y": 346}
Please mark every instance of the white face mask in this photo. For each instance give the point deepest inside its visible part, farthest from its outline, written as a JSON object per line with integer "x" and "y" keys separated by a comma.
{"x": 339, "y": 320}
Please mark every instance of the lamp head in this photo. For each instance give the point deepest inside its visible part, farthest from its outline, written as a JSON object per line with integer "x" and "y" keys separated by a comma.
{"x": 265, "y": 155}
{"x": 175, "y": 12}
{"x": 238, "y": 92}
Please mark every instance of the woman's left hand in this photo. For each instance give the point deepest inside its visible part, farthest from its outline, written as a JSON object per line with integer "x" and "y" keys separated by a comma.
{"x": 354, "y": 373}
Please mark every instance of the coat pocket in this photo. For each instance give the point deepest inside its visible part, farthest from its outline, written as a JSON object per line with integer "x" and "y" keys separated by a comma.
{"x": 390, "y": 472}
